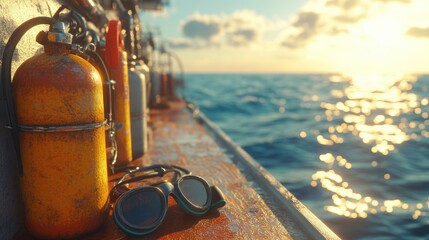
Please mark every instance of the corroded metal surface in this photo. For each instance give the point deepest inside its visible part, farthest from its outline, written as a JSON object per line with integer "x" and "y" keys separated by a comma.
{"x": 57, "y": 88}
{"x": 179, "y": 139}
{"x": 251, "y": 212}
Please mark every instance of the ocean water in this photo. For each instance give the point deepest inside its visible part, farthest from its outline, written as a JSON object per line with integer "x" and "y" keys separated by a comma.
{"x": 353, "y": 149}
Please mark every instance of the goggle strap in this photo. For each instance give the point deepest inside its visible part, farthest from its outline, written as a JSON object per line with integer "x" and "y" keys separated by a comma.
{"x": 141, "y": 177}
{"x": 152, "y": 167}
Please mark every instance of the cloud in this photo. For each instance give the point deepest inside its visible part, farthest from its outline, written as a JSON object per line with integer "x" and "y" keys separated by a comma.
{"x": 186, "y": 43}
{"x": 418, "y": 32}
{"x": 179, "y": 43}
{"x": 347, "y": 4}
{"x": 350, "y": 19}
{"x": 390, "y": 1}
{"x": 329, "y": 18}
{"x": 242, "y": 37}
{"x": 317, "y": 19}
{"x": 306, "y": 25}
{"x": 202, "y": 27}
{"x": 307, "y": 20}
{"x": 239, "y": 29}
{"x": 245, "y": 27}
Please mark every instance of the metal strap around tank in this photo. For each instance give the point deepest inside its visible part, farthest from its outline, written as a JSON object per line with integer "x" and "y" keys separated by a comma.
{"x": 61, "y": 128}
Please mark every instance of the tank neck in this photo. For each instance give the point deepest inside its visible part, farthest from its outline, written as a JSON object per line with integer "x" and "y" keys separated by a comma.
{"x": 56, "y": 48}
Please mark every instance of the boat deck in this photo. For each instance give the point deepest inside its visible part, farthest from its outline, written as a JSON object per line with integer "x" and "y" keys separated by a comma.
{"x": 258, "y": 207}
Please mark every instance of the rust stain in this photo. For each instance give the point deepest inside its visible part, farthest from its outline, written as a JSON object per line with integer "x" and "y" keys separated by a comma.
{"x": 178, "y": 139}
{"x": 55, "y": 163}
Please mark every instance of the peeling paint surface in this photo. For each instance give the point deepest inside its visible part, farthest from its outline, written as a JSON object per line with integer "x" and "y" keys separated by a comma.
{"x": 12, "y": 14}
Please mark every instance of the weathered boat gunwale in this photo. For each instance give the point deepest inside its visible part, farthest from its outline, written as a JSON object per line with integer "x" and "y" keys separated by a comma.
{"x": 270, "y": 185}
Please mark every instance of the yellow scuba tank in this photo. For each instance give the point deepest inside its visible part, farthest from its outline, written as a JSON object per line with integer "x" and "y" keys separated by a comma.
{"x": 60, "y": 117}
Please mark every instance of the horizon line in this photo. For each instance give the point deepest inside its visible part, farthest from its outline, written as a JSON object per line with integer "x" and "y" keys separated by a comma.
{"x": 290, "y": 73}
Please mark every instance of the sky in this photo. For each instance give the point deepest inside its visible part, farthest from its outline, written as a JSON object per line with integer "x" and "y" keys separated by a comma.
{"x": 296, "y": 36}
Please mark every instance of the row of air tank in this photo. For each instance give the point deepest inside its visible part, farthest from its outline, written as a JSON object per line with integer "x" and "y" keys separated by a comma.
{"x": 95, "y": 76}
{"x": 150, "y": 82}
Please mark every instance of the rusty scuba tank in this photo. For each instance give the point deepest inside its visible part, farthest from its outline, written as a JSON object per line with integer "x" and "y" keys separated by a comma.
{"x": 138, "y": 90}
{"x": 155, "y": 90}
{"x": 116, "y": 61}
{"x": 154, "y": 79}
{"x": 138, "y": 110}
{"x": 60, "y": 116}
{"x": 168, "y": 87}
{"x": 142, "y": 67}
{"x": 164, "y": 86}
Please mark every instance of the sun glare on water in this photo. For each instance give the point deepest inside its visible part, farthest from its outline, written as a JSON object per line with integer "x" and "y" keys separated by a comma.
{"x": 371, "y": 108}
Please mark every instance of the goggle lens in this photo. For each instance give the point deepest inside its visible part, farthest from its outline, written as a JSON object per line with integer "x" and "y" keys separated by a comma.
{"x": 194, "y": 191}
{"x": 143, "y": 208}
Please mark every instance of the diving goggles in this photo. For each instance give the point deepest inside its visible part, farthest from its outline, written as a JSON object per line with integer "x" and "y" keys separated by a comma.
{"x": 141, "y": 210}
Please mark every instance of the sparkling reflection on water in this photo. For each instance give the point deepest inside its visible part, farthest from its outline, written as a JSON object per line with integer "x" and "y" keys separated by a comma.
{"x": 383, "y": 113}
{"x": 354, "y": 150}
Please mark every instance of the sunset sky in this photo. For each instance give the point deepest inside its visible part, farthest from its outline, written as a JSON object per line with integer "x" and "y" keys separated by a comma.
{"x": 315, "y": 36}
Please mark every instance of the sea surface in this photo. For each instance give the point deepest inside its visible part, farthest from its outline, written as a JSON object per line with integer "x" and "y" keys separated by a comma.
{"x": 353, "y": 149}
